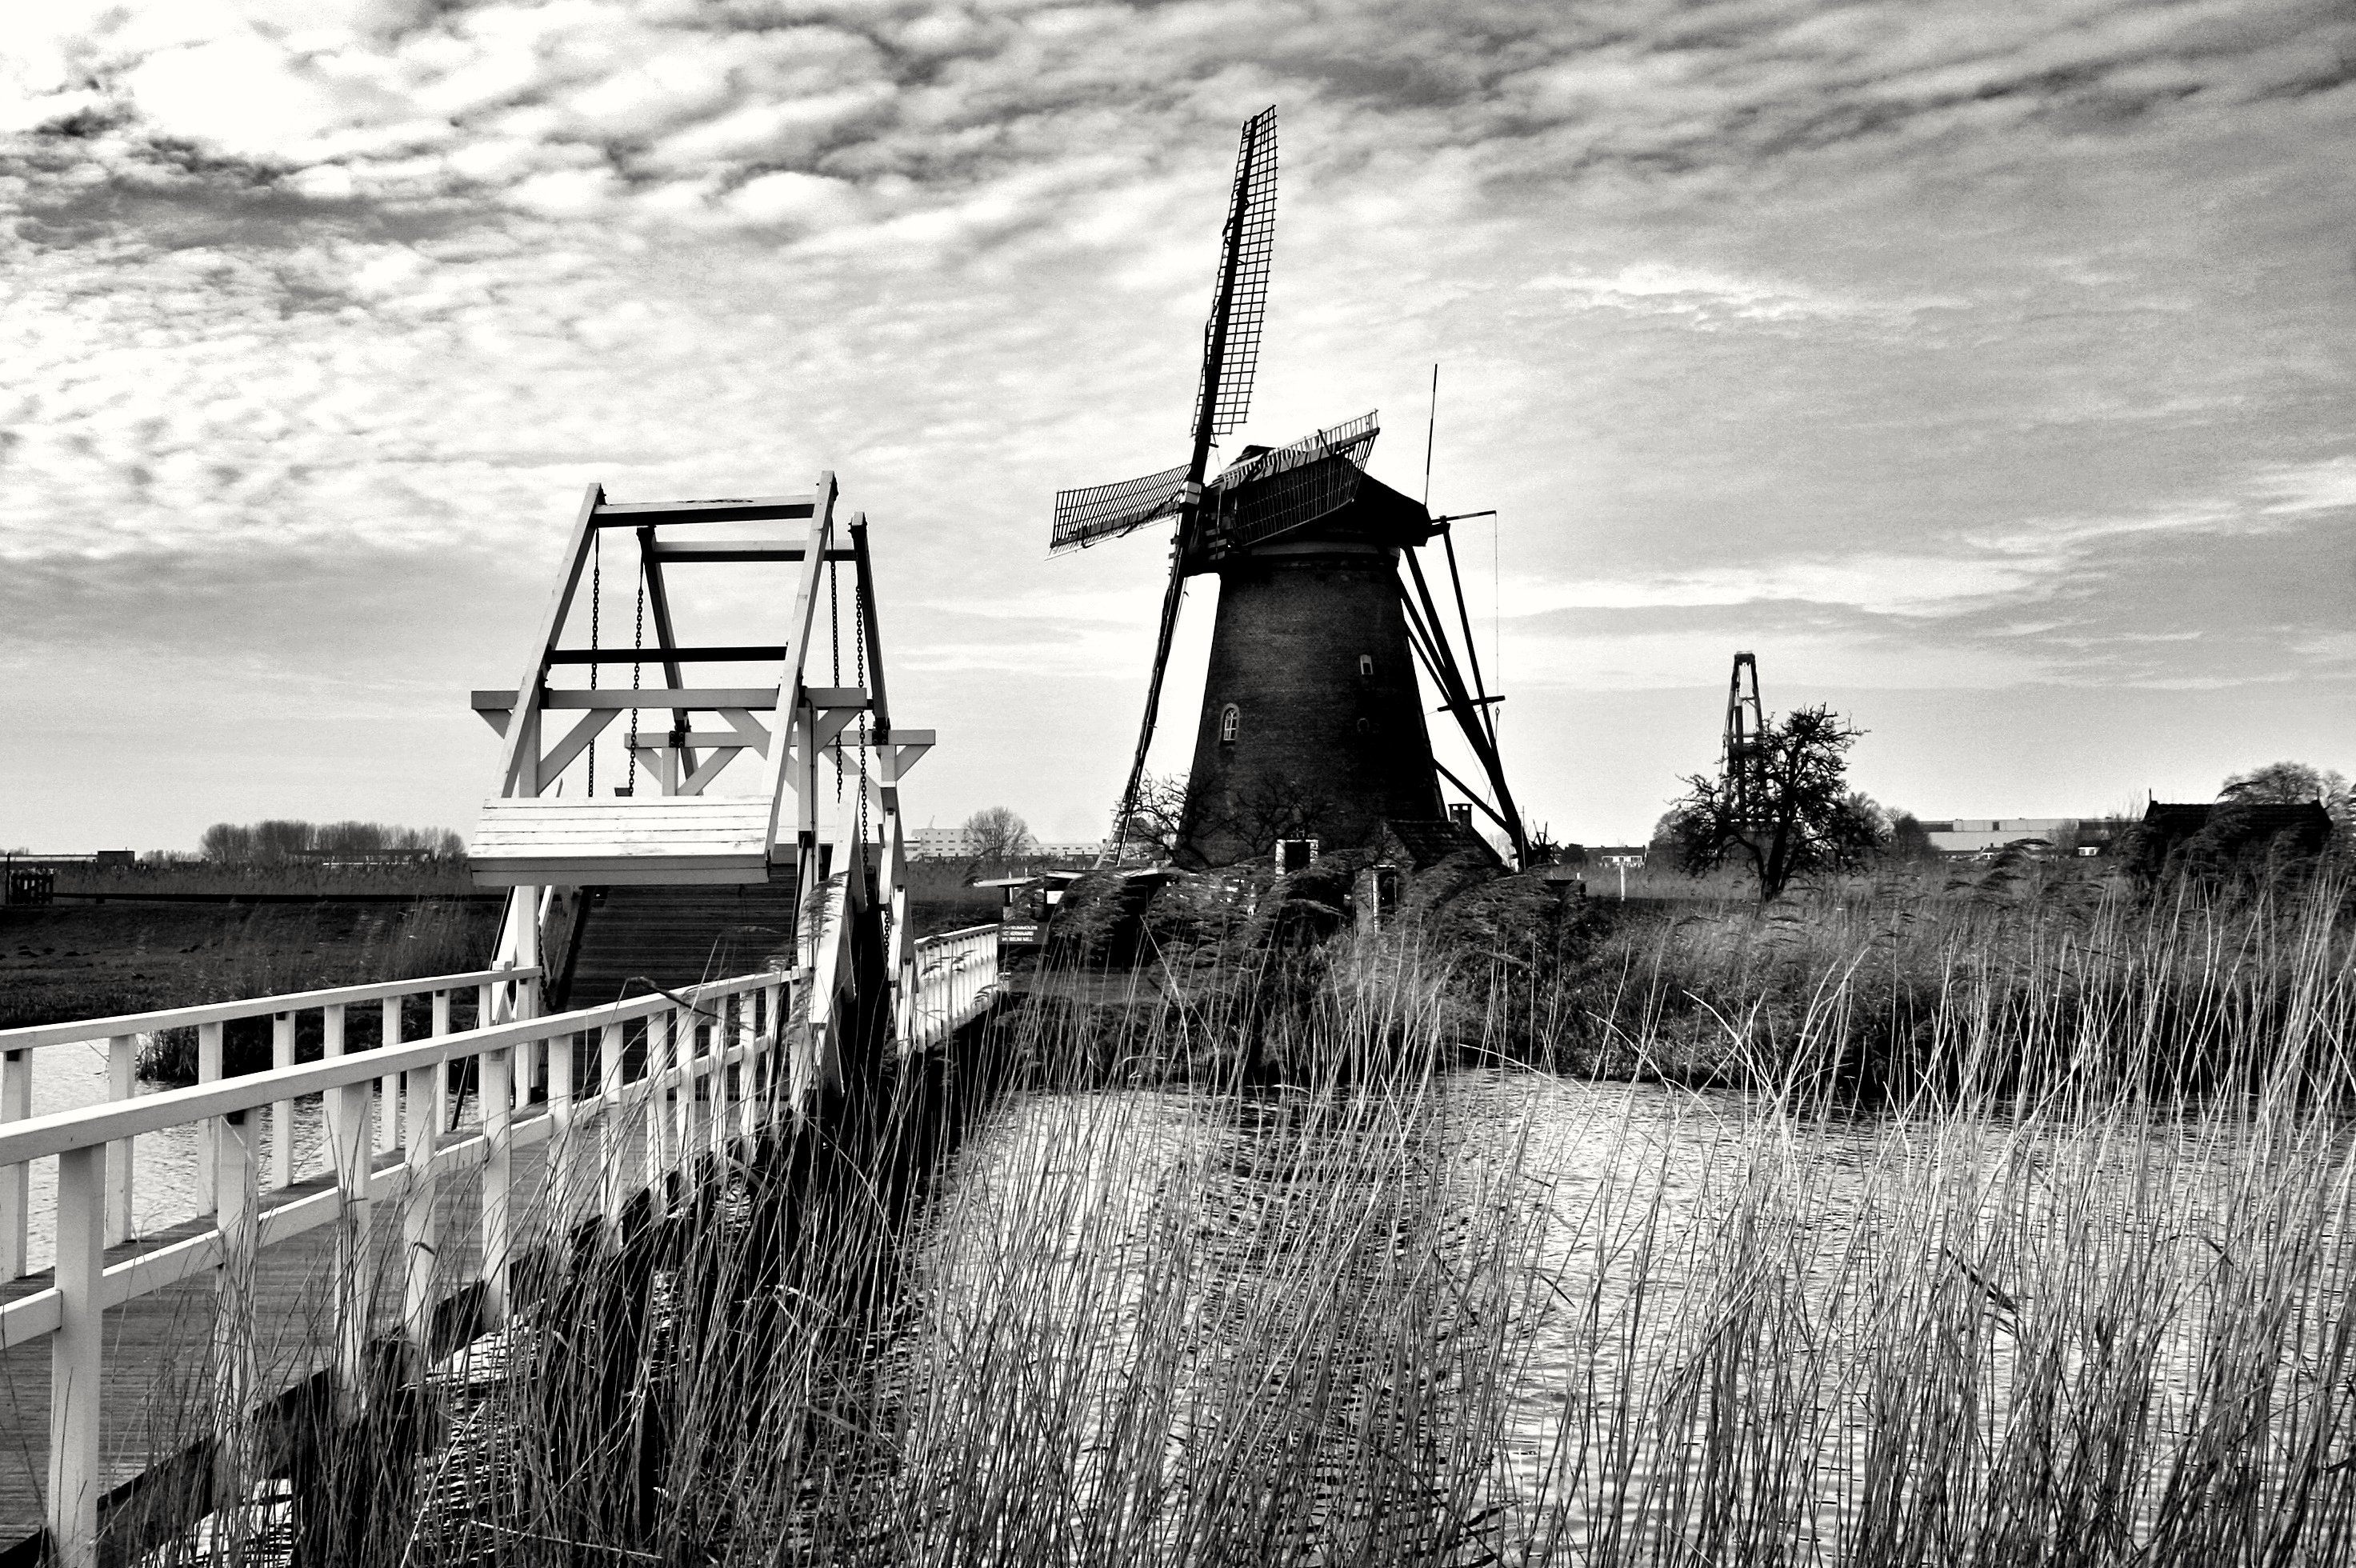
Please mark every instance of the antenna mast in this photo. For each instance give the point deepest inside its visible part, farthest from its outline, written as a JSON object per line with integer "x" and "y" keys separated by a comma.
{"x": 1745, "y": 752}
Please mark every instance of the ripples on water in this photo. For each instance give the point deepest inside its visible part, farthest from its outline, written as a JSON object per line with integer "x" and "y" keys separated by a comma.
{"x": 1587, "y": 1322}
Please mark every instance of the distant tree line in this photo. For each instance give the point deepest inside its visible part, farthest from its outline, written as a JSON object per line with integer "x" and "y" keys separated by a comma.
{"x": 284, "y": 841}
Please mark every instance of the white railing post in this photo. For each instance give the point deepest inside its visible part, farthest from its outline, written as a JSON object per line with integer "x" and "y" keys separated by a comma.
{"x": 281, "y": 1112}
{"x": 420, "y": 1229}
{"x": 348, "y": 1142}
{"x": 658, "y": 1109}
{"x": 498, "y": 1096}
{"x": 442, "y": 1074}
{"x": 613, "y": 1132}
{"x": 530, "y": 912}
{"x": 686, "y": 1028}
{"x": 76, "y": 1477}
{"x": 562, "y": 1160}
{"x": 388, "y": 1088}
{"x": 208, "y": 1071}
{"x": 122, "y": 1066}
{"x": 778, "y": 1083}
{"x": 237, "y": 1216}
{"x": 749, "y": 1078}
{"x": 15, "y": 1181}
{"x": 723, "y": 1038}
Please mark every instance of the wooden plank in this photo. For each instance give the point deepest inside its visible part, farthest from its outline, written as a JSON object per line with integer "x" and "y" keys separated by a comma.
{"x": 521, "y": 843}
{"x": 590, "y": 872}
{"x": 701, "y": 551}
{"x": 696, "y": 699}
{"x": 683, "y": 846}
{"x": 749, "y": 509}
{"x": 559, "y": 807}
{"x": 734, "y": 653}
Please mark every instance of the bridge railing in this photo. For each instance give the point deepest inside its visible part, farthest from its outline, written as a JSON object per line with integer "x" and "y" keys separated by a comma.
{"x": 500, "y": 993}
{"x": 716, "y": 1045}
{"x": 955, "y": 972}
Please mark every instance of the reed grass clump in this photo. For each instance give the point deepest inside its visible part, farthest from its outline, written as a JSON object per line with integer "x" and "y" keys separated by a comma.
{"x": 1890, "y": 990}
{"x": 279, "y": 950}
{"x": 1090, "y": 1292}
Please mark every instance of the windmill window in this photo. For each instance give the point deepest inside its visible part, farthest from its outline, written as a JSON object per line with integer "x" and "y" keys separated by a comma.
{"x": 1366, "y": 726}
{"x": 1365, "y": 666}
{"x": 1230, "y": 717}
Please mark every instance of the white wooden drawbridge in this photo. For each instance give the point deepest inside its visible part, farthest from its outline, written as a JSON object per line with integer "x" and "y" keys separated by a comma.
{"x": 816, "y": 810}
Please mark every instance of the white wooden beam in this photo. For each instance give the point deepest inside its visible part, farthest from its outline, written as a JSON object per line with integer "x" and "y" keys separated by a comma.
{"x": 522, "y": 734}
{"x": 696, "y": 699}
{"x": 789, "y": 683}
{"x": 578, "y": 737}
{"x": 748, "y": 728}
{"x": 751, "y": 509}
{"x": 709, "y": 770}
{"x": 698, "y": 552}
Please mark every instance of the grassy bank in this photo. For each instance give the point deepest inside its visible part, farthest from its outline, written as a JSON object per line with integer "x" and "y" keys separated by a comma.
{"x": 1367, "y": 1294}
{"x": 1885, "y": 990}
{"x": 70, "y": 960}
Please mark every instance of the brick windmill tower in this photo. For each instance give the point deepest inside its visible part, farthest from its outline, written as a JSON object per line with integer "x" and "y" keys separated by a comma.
{"x": 1312, "y": 735}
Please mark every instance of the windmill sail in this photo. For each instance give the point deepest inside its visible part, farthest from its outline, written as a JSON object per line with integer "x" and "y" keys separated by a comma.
{"x": 1230, "y": 356}
{"x": 1239, "y": 300}
{"x": 1270, "y": 493}
{"x": 1108, "y": 512}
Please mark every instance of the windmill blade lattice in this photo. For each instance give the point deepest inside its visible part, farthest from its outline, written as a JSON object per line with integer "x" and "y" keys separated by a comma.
{"x": 1108, "y": 512}
{"x": 1251, "y": 214}
{"x": 1274, "y": 492}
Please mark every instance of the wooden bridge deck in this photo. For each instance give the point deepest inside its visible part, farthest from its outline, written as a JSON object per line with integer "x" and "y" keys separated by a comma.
{"x": 157, "y": 1389}
{"x": 742, "y": 1049}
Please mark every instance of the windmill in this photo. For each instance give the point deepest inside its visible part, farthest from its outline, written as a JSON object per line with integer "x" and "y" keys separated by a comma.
{"x": 1311, "y": 723}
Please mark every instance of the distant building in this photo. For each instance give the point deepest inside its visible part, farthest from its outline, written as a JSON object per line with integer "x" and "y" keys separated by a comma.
{"x": 1965, "y": 837}
{"x": 2227, "y": 830}
{"x": 958, "y": 844}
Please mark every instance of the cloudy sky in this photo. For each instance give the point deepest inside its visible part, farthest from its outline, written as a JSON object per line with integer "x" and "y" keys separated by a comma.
{"x": 1985, "y": 368}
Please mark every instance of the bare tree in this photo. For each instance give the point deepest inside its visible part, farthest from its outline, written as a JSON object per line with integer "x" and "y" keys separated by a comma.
{"x": 999, "y": 835}
{"x": 1804, "y": 820}
{"x": 1158, "y": 821}
{"x": 2294, "y": 784}
{"x": 1269, "y": 810}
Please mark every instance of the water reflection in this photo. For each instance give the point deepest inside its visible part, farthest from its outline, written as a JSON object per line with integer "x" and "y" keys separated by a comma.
{"x": 1593, "y": 1322}
{"x": 164, "y": 1190}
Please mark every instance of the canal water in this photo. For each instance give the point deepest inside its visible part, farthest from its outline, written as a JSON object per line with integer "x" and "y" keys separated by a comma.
{"x": 1576, "y": 1306}
{"x": 164, "y": 1165}
{"x": 1544, "y": 1305}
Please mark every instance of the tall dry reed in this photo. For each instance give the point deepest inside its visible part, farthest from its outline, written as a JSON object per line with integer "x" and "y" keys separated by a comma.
{"x": 1089, "y": 1292}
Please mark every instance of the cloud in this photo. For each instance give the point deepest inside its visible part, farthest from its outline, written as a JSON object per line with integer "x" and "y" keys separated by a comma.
{"x": 1935, "y": 341}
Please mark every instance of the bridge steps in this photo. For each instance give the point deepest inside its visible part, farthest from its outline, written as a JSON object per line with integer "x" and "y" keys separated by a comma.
{"x": 675, "y": 937}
